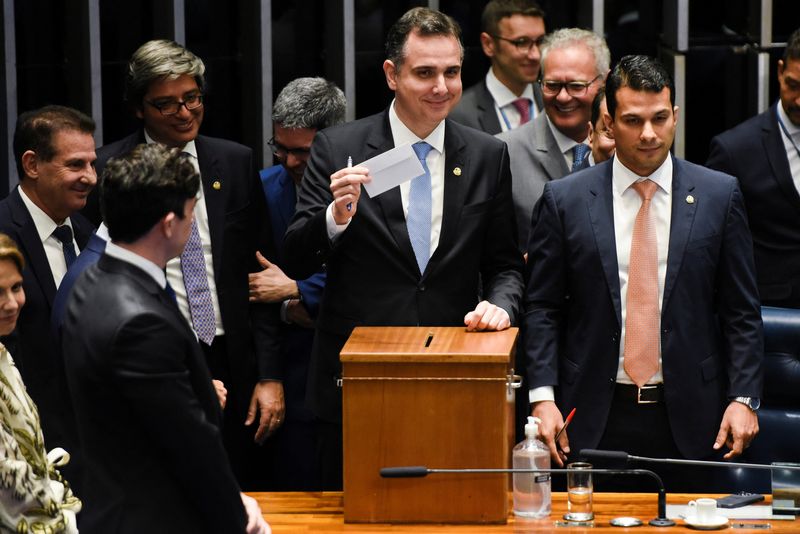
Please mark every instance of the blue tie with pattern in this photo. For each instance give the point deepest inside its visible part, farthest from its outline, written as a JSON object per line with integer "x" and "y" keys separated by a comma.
{"x": 578, "y": 153}
{"x": 418, "y": 219}
{"x": 195, "y": 278}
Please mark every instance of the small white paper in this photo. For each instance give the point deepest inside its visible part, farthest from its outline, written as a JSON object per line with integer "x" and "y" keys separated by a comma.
{"x": 752, "y": 511}
{"x": 391, "y": 169}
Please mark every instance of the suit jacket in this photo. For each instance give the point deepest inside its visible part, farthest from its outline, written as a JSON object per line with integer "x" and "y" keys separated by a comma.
{"x": 88, "y": 256}
{"x": 239, "y": 226}
{"x": 476, "y": 108}
{"x": 296, "y": 341}
{"x": 535, "y": 160}
{"x": 754, "y": 153}
{"x": 32, "y": 343}
{"x": 147, "y": 413}
{"x": 711, "y": 338}
{"x": 373, "y": 276}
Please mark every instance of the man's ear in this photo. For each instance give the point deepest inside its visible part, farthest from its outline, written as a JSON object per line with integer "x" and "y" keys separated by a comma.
{"x": 390, "y": 70}
{"x": 167, "y": 224}
{"x": 30, "y": 164}
{"x": 487, "y": 43}
{"x": 140, "y": 112}
{"x": 591, "y": 132}
{"x": 609, "y": 123}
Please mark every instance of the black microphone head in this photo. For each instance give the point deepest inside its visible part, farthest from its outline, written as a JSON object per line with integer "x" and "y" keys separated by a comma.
{"x": 605, "y": 455}
{"x": 412, "y": 471}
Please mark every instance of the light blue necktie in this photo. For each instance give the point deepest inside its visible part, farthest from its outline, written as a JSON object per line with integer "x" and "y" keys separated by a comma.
{"x": 419, "y": 209}
{"x": 578, "y": 153}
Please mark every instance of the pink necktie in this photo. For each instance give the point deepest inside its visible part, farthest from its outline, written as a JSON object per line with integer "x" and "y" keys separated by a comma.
{"x": 642, "y": 317}
{"x": 523, "y": 105}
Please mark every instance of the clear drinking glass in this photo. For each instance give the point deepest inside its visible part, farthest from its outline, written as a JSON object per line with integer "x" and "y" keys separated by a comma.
{"x": 579, "y": 492}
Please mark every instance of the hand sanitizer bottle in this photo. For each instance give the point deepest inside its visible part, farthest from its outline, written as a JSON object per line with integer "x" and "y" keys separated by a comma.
{"x": 531, "y": 490}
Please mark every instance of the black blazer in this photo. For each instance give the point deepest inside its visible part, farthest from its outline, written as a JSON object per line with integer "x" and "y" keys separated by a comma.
{"x": 754, "y": 153}
{"x": 35, "y": 349}
{"x": 147, "y": 413}
{"x": 373, "y": 277}
{"x": 239, "y": 224}
{"x": 711, "y": 335}
{"x": 476, "y": 108}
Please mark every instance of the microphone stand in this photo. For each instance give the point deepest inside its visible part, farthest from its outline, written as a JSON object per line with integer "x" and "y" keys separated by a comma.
{"x": 419, "y": 471}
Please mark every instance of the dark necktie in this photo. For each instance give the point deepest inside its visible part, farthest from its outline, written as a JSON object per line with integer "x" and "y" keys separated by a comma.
{"x": 64, "y": 234}
{"x": 578, "y": 153}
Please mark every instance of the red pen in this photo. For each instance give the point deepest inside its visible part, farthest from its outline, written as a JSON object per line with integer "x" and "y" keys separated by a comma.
{"x": 566, "y": 423}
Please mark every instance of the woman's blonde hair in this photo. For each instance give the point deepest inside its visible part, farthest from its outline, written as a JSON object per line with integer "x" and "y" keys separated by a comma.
{"x": 9, "y": 251}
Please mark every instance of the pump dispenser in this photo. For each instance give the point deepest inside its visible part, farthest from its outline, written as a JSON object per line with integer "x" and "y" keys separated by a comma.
{"x": 531, "y": 490}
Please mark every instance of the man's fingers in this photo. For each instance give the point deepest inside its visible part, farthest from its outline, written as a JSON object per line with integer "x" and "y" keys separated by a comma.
{"x": 264, "y": 262}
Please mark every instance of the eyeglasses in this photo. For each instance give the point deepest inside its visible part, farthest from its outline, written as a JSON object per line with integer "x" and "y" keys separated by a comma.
{"x": 574, "y": 87}
{"x": 281, "y": 151}
{"x": 522, "y": 44}
{"x": 172, "y": 107}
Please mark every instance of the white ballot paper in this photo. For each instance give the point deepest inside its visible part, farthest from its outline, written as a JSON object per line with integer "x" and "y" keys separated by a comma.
{"x": 391, "y": 169}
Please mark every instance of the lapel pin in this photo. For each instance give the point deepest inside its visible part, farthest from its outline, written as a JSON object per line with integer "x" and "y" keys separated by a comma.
{"x": 690, "y": 199}
{"x": 457, "y": 171}
{"x": 216, "y": 186}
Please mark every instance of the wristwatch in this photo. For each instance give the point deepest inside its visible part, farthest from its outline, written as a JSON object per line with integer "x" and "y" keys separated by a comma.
{"x": 754, "y": 403}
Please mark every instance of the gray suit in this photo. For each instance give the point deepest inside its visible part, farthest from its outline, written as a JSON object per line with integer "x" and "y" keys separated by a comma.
{"x": 535, "y": 160}
{"x": 476, "y": 108}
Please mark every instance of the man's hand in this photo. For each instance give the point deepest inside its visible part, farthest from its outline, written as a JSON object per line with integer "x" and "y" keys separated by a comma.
{"x": 738, "y": 428}
{"x": 222, "y": 393}
{"x": 271, "y": 284}
{"x": 296, "y": 313}
{"x": 346, "y": 189}
{"x": 552, "y": 421}
{"x": 268, "y": 400}
{"x": 487, "y": 316}
{"x": 255, "y": 521}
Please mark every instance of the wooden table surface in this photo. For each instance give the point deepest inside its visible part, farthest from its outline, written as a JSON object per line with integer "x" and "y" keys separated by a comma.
{"x": 322, "y": 512}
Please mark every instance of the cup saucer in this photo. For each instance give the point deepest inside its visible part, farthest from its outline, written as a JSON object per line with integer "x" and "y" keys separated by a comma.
{"x": 716, "y": 522}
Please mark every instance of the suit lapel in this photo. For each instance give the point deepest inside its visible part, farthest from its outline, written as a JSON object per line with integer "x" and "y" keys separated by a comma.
{"x": 214, "y": 197}
{"x": 547, "y": 151}
{"x": 30, "y": 242}
{"x": 772, "y": 140}
{"x": 488, "y": 116}
{"x": 683, "y": 213}
{"x": 601, "y": 212}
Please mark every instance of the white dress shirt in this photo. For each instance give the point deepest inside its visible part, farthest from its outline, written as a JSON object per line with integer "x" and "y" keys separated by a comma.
{"x": 626, "y": 204}
{"x": 565, "y": 144}
{"x": 53, "y": 248}
{"x": 435, "y": 161}
{"x": 507, "y": 114}
{"x": 791, "y": 145}
{"x": 174, "y": 272}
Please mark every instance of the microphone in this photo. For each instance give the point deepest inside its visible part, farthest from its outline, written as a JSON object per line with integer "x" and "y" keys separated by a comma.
{"x": 419, "y": 471}
{"x": 625, "y": 457}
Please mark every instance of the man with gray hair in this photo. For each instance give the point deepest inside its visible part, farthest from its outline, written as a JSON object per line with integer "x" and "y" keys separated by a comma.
{"x": 303, "y": 107}
{"x": 165, "y": 88}
{"x": 574, "y": 66}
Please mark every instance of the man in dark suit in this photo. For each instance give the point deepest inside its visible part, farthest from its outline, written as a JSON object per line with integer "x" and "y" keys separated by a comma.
{"x": 437, "y": 251}
{"x": 508, "y": 97}
{"x": 55, "y": 155}
{"x": 574, "y": 64}
{"x": 763, "y": 153}
{"x": 303, "y": 107}
{"x": 165, "y": 86}
{"x": 147, "y": 414}
{"x": 600, "y": 140}
{"x": 643, "y": 315}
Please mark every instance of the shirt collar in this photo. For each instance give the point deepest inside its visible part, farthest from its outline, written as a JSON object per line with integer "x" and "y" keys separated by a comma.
{"x": 623, "y": 177}
{"x": 403, "y": 136}
{"x": 122, "y": 254}
{"x": 565, "y": 143}
{"x": 501, "y": 94}
{"x": 792, "y": 128}
{"x": 42, "y": 221}
{"x": 189, "y": 148}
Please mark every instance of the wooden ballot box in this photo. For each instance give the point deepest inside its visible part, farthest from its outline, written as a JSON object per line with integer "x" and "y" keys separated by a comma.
{"x": 432, "y": 396}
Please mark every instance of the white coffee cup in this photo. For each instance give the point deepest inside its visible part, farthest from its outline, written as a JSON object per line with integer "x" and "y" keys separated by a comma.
{"x": 703, "y": 510}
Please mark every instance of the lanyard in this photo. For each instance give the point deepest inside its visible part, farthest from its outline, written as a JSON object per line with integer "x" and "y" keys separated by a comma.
{"x": 505, "y": 119}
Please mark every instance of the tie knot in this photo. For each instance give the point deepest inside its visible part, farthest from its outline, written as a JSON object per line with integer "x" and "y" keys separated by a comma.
{"x": 63, "y": 233}
{"x": 579, "y": 152}
{"x": 523, "y": 105}
{"x": 645, "y": 188}
{"x": 422, "y": 148}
